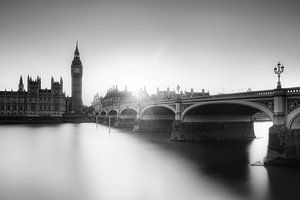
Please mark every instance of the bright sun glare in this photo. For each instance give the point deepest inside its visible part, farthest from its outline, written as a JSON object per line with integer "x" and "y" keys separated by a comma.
{"x": 131, "y": 71}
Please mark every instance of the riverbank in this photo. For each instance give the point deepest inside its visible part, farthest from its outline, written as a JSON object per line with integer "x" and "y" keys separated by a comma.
{"x": 46, "y": 119}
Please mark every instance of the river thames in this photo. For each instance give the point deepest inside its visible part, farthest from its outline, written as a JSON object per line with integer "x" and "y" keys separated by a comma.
{"x": 85, "y": 162}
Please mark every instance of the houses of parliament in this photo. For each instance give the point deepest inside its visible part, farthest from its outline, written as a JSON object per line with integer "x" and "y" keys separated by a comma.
{"x": 36, "y": 101}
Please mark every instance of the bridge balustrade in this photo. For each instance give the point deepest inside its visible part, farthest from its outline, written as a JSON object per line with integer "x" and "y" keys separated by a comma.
{"x": 291, "y": 91}
{"x": 253, "y": 93}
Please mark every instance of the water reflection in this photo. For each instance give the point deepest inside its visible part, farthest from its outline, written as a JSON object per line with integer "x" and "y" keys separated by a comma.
{"x": 226, "y": 162}
{"x": 82, "y": 161}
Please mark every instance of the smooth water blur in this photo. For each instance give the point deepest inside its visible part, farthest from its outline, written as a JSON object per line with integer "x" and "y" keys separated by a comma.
{"x": 83, "y": 162}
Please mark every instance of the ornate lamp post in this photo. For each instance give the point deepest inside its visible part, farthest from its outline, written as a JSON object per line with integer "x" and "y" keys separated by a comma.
{"x": 177, "y": 89}
{"x": 278, "y": 69}
{"x": 178, "y": 92}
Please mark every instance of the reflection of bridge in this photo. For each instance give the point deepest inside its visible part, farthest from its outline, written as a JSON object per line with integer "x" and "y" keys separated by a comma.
{"x": 219, "y": 116}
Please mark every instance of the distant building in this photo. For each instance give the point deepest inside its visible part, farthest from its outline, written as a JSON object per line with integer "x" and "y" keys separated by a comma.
{"x": 194, "y": 94}
{"x": 164, "y": 94}
{"x": 168, "y": 94}
{"x": 97, "y": 104}
{"x": 114, "y": 96}
{"x": 34, "y": 101}
{"x": 44, "y": 102}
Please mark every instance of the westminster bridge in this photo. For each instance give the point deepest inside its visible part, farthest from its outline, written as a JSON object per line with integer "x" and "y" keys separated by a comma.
{"x": 223, "y": 116}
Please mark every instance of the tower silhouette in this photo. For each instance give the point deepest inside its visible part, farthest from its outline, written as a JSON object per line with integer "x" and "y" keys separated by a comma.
{"x": 76, "y": 73}
{"x": 21, "y": 84}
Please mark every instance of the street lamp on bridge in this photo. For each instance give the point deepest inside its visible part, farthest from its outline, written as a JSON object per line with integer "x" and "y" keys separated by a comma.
{"x": 278, "y": 69}
{"x": 178, "y": 89}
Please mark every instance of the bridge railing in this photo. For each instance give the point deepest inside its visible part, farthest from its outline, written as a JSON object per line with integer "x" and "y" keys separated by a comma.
{"x": 252, "y": 93}
{"x": 261, "y": 93}
{"x": 264, "y": 93}
{"x": 292, "y": 90}
{"x": 256, "y": 93}
{"x": 148, "y": 101}
{"x": 162, "y": 101}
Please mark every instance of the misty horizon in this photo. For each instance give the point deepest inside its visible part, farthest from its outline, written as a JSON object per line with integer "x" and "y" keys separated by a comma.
{"x": 220, "y": 46}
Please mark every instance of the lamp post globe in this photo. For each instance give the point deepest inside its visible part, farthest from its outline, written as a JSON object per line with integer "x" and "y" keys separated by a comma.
{"x": 278, "y": 69}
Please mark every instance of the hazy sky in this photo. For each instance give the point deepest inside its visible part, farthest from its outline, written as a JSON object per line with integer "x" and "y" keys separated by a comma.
{"x": 219, "y": 45}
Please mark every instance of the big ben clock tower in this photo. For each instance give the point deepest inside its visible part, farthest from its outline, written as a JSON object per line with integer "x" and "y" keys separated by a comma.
{"x": 76, "y": 73}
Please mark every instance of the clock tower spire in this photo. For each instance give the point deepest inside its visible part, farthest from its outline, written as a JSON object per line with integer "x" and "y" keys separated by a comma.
{"x": 76, "y": 53}
{"x": 76, "y": 73}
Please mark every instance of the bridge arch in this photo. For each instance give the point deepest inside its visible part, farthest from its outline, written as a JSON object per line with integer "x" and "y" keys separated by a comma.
{"x": 157, "y": 118}
{"x": 236, "y": 102}
{"x": 112, "y": 112}
{"x": 292, "y": 117}
{"x": 126, "y": 117}
{"x": 103, "y": 113}
{"x": 152, "y": 106}
{"x": 128, "y": 113}
{"x": 129, "y": 108}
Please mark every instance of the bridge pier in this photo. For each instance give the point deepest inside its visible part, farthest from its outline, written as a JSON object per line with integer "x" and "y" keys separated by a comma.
{"x": 284, "y": 146}
{"x": 136, "y": 125}
{"x": 176, "y": 133}
{"x": 284, "y": 143}
{"x": 100, "y": 119}
{"x": 177, "y": 123}
{"x": 105, "y": 120}
{"x": 112, "y": 121}
{"x": 124, "y": 123}
{"x": 137, "y": 121}
{"x": 117, "y": 122}
{"x": 156, "y": 126}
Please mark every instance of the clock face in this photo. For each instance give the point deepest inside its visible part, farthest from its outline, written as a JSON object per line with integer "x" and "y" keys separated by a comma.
{"x": 76, "y": 70}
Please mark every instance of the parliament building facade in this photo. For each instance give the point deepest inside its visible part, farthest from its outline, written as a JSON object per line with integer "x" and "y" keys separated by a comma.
{"x": 36, "y": 101}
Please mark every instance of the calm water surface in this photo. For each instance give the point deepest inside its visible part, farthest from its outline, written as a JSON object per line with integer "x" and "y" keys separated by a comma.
{"x": 85, "y": 162}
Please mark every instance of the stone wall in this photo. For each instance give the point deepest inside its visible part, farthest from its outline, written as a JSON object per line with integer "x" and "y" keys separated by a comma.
{"x": 214, "y": 130}
{"x": 284, "y": 146}
{"x": 125, "y": 123}
{"x": 156, "y": 125}
{"x": 79, "y": 118}
{"x": 112, "y": 121}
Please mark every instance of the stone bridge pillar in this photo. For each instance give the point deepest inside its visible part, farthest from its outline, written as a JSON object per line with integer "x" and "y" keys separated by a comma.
{"x": 117, "y": 120}
{"x": 177, "y": 124}
{"x": 281, "y": 147}
{"x": 137, "y": 121}
{"x": 279, "y": 117}
{"x": 105, "y": 119}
